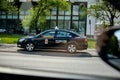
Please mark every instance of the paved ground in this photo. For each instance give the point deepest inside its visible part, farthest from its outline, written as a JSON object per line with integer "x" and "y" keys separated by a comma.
{"x": 14, "y": 48}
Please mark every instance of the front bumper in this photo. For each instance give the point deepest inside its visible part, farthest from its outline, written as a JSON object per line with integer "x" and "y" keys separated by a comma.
{"x": 20, "y": 45}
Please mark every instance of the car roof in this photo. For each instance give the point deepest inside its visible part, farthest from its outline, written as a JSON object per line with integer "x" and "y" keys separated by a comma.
{"x": 64, "y": 30}
{"x": 60, "y": 30}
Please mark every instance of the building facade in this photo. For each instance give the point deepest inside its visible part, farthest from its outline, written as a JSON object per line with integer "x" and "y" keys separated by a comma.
{"x": 72, "y": 19}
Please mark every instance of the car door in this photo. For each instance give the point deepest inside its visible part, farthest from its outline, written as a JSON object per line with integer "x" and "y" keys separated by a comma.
{"x": 61, "y": 38}
{"x": 46, "y": 39}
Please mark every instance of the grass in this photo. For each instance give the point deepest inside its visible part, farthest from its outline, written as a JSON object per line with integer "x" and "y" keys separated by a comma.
{"x": 9, "y": 39}
{"x": 91, "y": 43}
{"x": 12, "y": 39}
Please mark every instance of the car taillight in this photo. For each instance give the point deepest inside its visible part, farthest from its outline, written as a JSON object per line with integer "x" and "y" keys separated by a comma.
{"x": 85, "y": 39}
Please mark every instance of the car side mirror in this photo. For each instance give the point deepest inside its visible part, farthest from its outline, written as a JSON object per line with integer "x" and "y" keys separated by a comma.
{"x": 108, "y": 47}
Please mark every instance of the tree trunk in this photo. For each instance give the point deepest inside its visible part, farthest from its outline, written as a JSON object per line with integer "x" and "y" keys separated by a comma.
{"x": 37, "y": 17}
{"x": 112, "y": 21}
{"x": 37, "y": 30}
{"x": 36, "y": 20}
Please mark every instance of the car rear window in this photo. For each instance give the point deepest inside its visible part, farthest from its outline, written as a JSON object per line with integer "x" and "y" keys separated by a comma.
{"x": 65, "y": 34}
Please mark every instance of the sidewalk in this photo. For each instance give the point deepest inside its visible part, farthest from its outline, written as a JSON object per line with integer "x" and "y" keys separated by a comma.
{"x": 8, "y": 48}
{"x": 14, "y": 48}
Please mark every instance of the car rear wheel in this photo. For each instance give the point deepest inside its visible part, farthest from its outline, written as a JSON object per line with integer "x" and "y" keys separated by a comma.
{"x": 71, "y": 48}
{"x": 29, "y": 46}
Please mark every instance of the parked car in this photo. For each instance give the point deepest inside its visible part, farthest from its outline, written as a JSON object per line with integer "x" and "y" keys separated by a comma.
{"x": 54, "y": 39}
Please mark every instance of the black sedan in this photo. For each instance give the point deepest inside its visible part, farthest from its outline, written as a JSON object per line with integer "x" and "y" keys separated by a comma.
{"x": 54, "y": 39}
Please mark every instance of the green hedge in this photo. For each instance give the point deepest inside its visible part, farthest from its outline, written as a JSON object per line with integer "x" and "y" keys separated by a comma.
{"x": 9, "y": 39}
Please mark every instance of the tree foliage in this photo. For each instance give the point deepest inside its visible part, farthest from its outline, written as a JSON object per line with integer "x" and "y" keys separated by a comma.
{"x": 27, "y": 20}
{"x": 115, "y": 3}
{"x": 104, "y": 12}
{"x": 42, "y": 10}
{"x": 7, "y": 6}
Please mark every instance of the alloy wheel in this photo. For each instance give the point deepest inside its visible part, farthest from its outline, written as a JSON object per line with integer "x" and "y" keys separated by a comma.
{"x": 71, "y": 48}
{"x": 29, "y": 46}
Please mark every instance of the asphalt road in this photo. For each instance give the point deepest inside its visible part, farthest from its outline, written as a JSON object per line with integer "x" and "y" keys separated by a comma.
{"x": 82, "y": 63}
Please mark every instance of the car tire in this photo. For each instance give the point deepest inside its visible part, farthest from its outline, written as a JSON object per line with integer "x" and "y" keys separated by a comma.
{"x": 29, "y": 46}
{"x": 71, "y": 48}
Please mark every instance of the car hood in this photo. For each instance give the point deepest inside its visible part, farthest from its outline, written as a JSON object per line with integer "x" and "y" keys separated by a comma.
{"x": 28, "y": 37}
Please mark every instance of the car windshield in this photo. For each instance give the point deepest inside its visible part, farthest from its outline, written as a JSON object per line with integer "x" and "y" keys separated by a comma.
{"x": 65, "y": 35}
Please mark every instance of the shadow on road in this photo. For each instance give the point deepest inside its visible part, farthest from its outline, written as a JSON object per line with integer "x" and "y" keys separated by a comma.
{"x": 55, "y": 53}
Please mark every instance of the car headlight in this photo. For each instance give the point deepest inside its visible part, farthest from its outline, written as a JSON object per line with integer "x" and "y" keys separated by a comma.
{"x": 21, "y": 40}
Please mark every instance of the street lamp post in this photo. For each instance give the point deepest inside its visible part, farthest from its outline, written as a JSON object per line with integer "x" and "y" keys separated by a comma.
{"x": 90, "y": 28}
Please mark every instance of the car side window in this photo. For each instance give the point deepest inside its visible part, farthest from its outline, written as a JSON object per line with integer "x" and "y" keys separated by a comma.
{"x": 69, "y": 35}
{"x": 49, "y": 34}
{"x": 64, "y": 34}
{"x": 61, "y": 34}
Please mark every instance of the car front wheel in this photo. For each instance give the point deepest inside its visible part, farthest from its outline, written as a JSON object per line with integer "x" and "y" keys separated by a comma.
{"x": 71, "y": 48}
{"x": 29, "y": 46}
